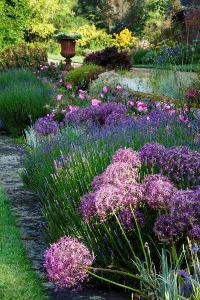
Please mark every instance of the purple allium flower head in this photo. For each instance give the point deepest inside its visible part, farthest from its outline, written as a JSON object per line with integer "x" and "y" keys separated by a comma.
{"x": 185, "y": 202}
{"x": 127, "y": 156}
{"x": 127, "y": 219}
{"x": 157, "y": 190}
{"x": 182, "y": 165}
{"x": 195, "y": 232}
{"x": 109, "y": 199}
{"x": 97, "y": 182}
{"x": 150, "y": 154}
{"x": 87, "y": 206}
{"x": 164, "y": 229}
{"x": 120, "y": 174}
{"x": 66, "y": 262}
{"x": 45, "y": 126}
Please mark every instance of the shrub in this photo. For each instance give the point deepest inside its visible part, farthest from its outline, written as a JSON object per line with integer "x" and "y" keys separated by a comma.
{"x": 22, "y": 99}
{"x": 138, "y": 56}
{"x": 124, "y": 39}
{"x": 82, "y": 76}
{"x": 93, "y": 38}
{"x": 22, "y": 56}
{"x": 110, "y": 58}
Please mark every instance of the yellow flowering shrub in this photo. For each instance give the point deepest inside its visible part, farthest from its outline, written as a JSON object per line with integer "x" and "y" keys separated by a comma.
{"x": 124, "y": 39}
{"x": 93, "y": 38}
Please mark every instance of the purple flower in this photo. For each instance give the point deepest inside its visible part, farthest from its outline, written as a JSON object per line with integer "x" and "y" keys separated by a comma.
{"x": 110, "y": 199}
{"x": 97, "y": 182}
{"x": 185, "y": 202}
{"x": 45, "y": 126}
{"x": 150, "y": 154}
{"x": 164, "y": 229}
{"x": 95, "y": 114}
{"x": 127, "y": 156}
{"x": 127, "y": 219}
{"x": 184, "y": 274}
{"x": 157, "y": 190}
{"x": 66, "y": 262}
{"x": 87, "y": 206}
{"x": 120, "y": 174}
{"x": 182, "y": 165}
{"x": 195, "y": 232}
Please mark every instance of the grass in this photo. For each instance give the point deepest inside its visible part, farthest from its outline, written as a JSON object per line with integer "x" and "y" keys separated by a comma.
{"x": 183, "y": 68}
{"x": 75, "y": 59}
{"x": 17, "y": 281}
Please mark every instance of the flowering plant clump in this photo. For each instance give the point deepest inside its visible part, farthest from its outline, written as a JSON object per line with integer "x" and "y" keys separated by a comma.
{"x": 183, "y": 218}
{"x": 97, "y": 114}
{"x": 176, "y": 212}
{"x": 158, "y": 190}
{"x": 45, "y": 126}
{"x": 66, "y": 262}
{"x": 150, "y": 154}
{"x": 182, "y": 165}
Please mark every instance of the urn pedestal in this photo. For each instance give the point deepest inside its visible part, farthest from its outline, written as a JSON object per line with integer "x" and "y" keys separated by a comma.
{"x": 68, "y": 51}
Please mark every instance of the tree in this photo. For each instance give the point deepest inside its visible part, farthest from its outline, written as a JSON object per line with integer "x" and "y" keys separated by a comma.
{"x": 14, "y": 16}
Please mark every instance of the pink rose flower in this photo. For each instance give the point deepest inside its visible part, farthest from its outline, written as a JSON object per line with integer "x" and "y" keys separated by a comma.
{"x": 68, "y": 86}
{"x": 106, "y": 89}
{"x": 72, "y": 108}
{"x": 59, "y": 97}
{"x": 130, "y": 103}
{"x": 82, "y": 94}
{"x": 95, "y": 102}
{"x": 119, "y": 88}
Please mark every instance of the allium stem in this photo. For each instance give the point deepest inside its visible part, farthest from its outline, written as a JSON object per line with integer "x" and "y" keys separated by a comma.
{"x": 125, "y": 236}
{"x": 140, "y": 238}
{"x": 118, "y": 284}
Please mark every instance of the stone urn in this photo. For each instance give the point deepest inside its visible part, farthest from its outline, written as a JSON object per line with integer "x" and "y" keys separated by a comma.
{"x": 68, "y": 51}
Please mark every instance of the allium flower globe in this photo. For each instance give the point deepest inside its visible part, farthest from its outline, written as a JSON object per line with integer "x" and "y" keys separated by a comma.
{"x": 66, "y": 262}
{"x": 127, "y": 156}
{"x": 158, "y": 190}
{"x": 110, "y": 199}
{"x": 87, "y": 206}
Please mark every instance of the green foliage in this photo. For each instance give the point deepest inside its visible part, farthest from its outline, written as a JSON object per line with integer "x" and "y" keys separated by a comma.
{"x": 82, "y": 76}
{"x": 13, "y": 21}
{"x": 17, "y": 279}
{"x": 22, "y": 99}
{"x": 23, "y": 55}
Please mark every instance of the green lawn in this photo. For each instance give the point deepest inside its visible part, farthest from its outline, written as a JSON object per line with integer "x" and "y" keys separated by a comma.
{"x": 76, "y": 59}
{"x": 17, "y": 281}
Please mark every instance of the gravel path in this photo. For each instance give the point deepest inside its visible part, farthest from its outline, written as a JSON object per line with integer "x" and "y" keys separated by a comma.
{"x": 28, "y": 212}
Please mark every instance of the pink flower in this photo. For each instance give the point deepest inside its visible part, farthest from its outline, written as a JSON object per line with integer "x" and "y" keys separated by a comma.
{"x": 66, "y": 262}
{"x": 73, "y": 108}
{"x": 68, "y": 86}
{"x": 101, "y": 95}
{"x": 82, "y": 94}
{"x": 158, "y": 104}
{"x": 191, "y": 94}
{"x": 141, "y": 106}
{"x": 130, "y": 103}
{"x": 119, "y": 88}
{"x": 167, "y": 107}
{"x": 183, "y": 118}
{"x": 95, "y": 102}
{"x": 106, "y": 89}
{"x": 59, "y": 97}
{"x": 127, "y": 156}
